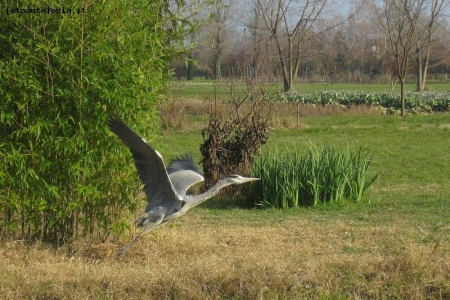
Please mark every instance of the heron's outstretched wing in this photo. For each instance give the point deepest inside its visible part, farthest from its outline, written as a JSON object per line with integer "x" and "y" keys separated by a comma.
{"x": 183, "y": 173}
{"x": 149, "y": 164}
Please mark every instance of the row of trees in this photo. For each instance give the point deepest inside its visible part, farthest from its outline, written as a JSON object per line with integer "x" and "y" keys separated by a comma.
{"x": 322, "y": 40}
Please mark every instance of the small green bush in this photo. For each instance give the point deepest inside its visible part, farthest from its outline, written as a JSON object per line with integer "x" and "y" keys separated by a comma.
{"x": 320, "y": 175}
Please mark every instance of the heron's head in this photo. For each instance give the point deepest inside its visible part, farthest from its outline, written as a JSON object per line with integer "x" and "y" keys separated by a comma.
{"x": 237, "y": 179}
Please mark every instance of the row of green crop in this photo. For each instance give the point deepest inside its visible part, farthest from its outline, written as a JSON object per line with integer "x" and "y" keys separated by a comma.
{"x": 424, "y": 101}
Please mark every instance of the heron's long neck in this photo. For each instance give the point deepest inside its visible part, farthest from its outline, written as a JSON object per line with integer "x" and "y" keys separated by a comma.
{"x": 197, "y": 199}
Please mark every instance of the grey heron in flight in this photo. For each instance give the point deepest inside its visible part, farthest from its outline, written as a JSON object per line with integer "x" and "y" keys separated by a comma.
{"x": 165, "y": 188}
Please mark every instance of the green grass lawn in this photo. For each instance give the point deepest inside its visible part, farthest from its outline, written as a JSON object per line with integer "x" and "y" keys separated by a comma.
{"x": 410, "y": 154}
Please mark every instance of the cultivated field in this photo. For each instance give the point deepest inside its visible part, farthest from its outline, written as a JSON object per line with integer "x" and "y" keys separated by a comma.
{"x": 394, "y": 245}
{"x": 200, "y": 89}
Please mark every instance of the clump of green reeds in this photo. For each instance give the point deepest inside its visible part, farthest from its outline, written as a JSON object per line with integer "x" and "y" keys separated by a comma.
{"x": 319, "y": 175}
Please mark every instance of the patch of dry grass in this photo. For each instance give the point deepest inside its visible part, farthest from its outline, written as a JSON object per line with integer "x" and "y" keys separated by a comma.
{"x": 176, "y": 113}
{"x": 307, "y": 256}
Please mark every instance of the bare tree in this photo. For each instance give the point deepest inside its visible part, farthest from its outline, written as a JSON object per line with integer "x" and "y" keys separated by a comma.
{"x": 219, "y": 22}
{"x": 196, "y": 17}
{"x": 289, "y": 22}
{"x": 433, "y": 22}
{"x": 313, "y": 38}
{"x": 399, "y": 20}
{"x": 260, "y": 45}
{"x": 221, "y": 28}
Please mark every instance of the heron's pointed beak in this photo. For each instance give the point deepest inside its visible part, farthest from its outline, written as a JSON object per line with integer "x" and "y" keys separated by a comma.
{"x": 247, "y": 179}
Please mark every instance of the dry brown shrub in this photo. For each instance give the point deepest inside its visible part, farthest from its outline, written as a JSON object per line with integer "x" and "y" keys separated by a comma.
{"x": 235, "y": 134}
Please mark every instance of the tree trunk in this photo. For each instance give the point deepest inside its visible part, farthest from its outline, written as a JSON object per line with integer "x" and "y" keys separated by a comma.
{"x": 284, "y": 69}
{"x": 217, "y": 57}
{"x": 425, "y": 68}
{"x": 291, "y": 68}
{"x": 217, "y": 71}
{"x": 286, "y": 84}
{"x": 402, "y": 96}
{"x": 289, "y": 74}
{"x": 190, "y": 67}
{"x": 419, "y": 70}
{"x": 422, "y": 69}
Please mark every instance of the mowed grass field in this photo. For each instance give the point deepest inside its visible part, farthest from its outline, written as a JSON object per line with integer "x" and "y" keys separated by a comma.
{"x": 394, "y": 245}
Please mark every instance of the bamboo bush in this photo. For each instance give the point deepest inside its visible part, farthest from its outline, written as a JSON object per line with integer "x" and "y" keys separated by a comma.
{"x": 319, "y": 175}
{"x": 62, "y": 172}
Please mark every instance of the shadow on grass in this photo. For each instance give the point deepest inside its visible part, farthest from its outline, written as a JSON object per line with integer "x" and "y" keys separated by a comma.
{"x": 226, "y": 202}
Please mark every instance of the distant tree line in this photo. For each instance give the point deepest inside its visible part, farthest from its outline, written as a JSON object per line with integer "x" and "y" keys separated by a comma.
{"x": 321, "y": 41}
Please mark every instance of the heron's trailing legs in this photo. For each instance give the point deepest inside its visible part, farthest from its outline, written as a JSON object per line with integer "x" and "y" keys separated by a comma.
{"x": 154, "y": 225}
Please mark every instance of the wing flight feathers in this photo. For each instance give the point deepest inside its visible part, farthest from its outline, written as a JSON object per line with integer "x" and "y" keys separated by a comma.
{"x": 183, "y": 173}
{"x": 148, "y": 162}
